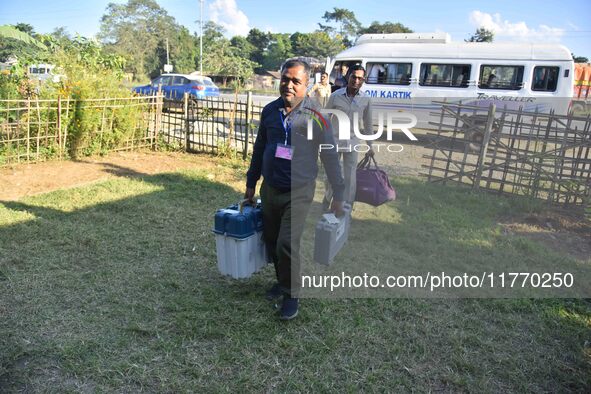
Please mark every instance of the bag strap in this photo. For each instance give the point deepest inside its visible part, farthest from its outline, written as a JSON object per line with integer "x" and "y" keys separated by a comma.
{"x": 367, "y": 161}
{"x": 375, "y": 163}
{"x": 363, "y": 163}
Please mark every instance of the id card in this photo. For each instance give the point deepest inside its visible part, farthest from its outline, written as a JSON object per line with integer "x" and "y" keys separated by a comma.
{"x": 284, "y": 152}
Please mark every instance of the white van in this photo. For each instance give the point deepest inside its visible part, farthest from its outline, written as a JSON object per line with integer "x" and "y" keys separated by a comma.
{"x": 410, "y": 71}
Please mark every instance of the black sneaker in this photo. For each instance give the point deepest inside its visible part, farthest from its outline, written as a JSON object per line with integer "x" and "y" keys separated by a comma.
{"x": 274, "y": 292}
{"x": 289, "y": 308}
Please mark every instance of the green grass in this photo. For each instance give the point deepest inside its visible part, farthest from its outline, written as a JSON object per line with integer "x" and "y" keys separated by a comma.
{"x": 114, "y": 287}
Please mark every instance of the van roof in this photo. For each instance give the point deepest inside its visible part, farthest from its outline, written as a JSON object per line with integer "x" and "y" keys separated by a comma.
{"x": 386, "y": 47}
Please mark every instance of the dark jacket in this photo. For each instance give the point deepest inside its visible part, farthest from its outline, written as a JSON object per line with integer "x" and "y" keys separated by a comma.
{"x": 285, "y": 174}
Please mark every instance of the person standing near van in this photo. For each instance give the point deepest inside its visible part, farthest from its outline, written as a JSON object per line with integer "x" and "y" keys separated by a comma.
{"x": 350, "y": 100}
{"x": 341, "y": 80}
{"x": 321, "y": 89}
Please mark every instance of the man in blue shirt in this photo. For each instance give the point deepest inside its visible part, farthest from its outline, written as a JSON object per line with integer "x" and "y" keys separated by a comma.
{"x": 286, "y": 156}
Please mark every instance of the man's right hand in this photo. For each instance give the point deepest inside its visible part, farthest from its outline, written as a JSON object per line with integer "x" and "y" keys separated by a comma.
{"x": 249, "y": 195}
{"x": 337, "y": 208}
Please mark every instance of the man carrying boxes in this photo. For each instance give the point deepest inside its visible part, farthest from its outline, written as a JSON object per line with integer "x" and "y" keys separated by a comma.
{"x": 287, "y": 159}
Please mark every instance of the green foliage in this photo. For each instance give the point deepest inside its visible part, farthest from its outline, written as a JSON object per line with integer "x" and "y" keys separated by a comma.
{"x": 183, "y": 51}
{"x": 243, "y": 47}
{"x": 19, "y": 41}
{"x": 221, "y": 57}
{"x": 385, "y": 28}
{"x": 138, "y": 30}
{"x": 87, "y": 72}
{"x": 482, "y": 35}
{"x": 61, "y": 35}
{"x": 226, "y": 150}
{"x": 317, "y": 44}
{"x": 348, "y": 25}
{"x": 9, "y": 87}
{"x": 95, "y": 127}
{"x": 580, "y": 59}
{"x": 8, "y": 31}
{"x": 260, "y": 41}
{"x": 279, "y": 50}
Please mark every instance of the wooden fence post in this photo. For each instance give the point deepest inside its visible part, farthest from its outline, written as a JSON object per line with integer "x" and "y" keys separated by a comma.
{"x": 59, "y": 125}
{"x": 187, "y": 123}
{"x": 157, "y": 118}
{"x": 28, "y": 132}
{"x": 248, "y": 120}
{"x": 482, "y": 155}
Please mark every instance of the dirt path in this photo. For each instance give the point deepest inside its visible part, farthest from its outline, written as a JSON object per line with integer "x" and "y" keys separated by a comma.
{"x": 29, "y": 179}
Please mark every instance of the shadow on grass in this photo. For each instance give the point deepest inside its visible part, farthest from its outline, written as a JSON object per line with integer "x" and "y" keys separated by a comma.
{"x": 114, "y": 286}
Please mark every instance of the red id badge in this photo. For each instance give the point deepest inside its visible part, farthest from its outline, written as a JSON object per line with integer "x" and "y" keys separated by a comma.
{"x": 284, "y": 152}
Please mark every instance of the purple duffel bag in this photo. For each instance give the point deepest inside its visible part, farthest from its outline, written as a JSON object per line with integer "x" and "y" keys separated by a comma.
{"x": 373, "y": 186}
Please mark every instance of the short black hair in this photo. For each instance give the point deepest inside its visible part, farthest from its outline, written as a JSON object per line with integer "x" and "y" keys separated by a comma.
{"x": 324, "y": 73}
{"x": 354, "y": 68}
{"x": 296, "y": 63}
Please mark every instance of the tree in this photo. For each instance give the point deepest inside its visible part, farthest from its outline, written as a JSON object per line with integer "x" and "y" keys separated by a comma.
{"x": 279, "y": 50}
{"x": 215, "y": 48}
{"x": 260, "y": 41}
{"x": 136, "y": 30}
{"x": 348, "y": 24}
{"x": 482, "y": 35}
{"x": 242, "y": 46}
{"x": 317, "y": 44}
{"x": 384, "y": 28}
{"x": 222, "y": 58}
{"x": 182, "y": 52}
{"x": 25, "y": 28}
{"x": 61, "y": 35}
{"x": 579, "y": 59}
{"x": 212, "y": 32}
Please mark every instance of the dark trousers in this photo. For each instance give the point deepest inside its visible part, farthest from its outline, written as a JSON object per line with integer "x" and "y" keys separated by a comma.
{"x": 284, "y": 217}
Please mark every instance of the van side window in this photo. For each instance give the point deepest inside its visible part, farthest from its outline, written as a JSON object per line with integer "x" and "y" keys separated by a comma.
{"x": 451, "y": 75}
{"x": 389, "y": 73}
{"x": 545, "y": 79}
{"x": 496, "y": 76}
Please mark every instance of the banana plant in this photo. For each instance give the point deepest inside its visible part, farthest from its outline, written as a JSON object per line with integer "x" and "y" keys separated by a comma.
{"x": 8, "y": 31}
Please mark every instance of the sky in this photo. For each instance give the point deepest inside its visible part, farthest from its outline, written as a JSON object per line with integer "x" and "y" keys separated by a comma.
{"x": 566, "y": 21}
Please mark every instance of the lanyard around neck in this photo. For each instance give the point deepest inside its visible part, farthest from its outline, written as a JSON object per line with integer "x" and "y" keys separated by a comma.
{"x": 286, "y": 122}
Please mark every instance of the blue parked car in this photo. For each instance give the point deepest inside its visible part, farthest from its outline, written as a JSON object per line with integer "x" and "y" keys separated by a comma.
{"x": 174, "y": 86}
